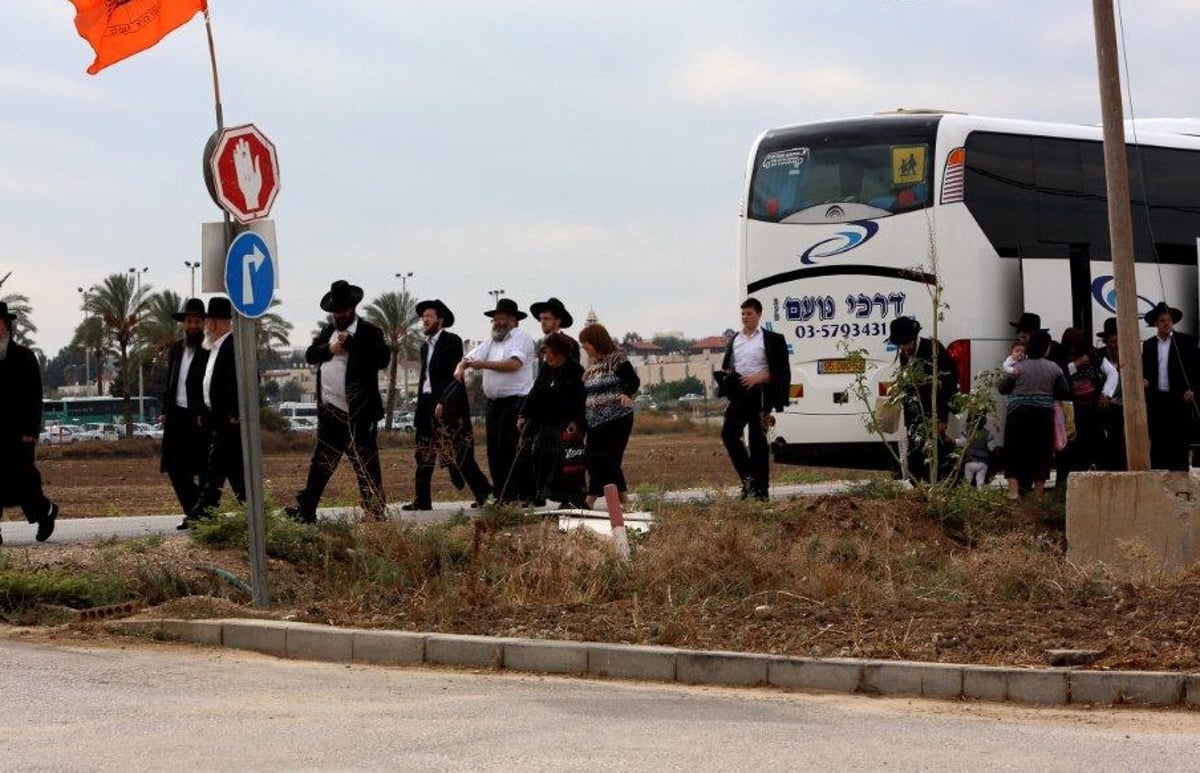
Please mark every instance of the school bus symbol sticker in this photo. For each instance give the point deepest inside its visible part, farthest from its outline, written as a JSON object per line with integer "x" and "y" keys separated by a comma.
{"x": 908, "y": 165}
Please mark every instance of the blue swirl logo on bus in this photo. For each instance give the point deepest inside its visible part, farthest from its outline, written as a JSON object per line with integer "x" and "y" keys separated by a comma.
{"x": 843, "y": 241}
{"x": 1104, "y": 291}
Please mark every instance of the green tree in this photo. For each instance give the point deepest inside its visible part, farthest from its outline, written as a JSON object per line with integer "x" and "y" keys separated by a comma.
{"x": 92, "y": 337}
{"x": 271, "y": 330}
{"x": 120, "y": 305}
{"x": 23, "y": 327}
{"x": 672, "y": 343}
{"x": 395, "y": 314}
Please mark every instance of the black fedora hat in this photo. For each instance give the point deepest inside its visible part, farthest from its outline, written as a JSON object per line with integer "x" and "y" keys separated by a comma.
{"x": 219, "y": 307}
{"x": 1028, "y": 321}
{"x": 1110, "y": 328}
{"x": 555, "y": 307}
{"x": 902, "y": 330}
{"x": 191, "y": 306}
{"x": 507, "y": 306}
{"x": 1162, "y": 308}
{"x": 442, "y": 310}
{"x": 4, "y": 311}
{"x": 341, "y": 296}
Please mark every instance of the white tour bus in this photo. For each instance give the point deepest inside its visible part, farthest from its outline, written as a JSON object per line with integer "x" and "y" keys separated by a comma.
{"x": 840, "y": 219}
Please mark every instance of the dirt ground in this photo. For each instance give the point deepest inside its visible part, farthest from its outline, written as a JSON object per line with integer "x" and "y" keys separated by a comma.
{"x": 96, "y": 486}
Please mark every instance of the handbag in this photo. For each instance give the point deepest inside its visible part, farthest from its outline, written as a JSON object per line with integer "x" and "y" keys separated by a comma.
{"x": 887, "y": 415}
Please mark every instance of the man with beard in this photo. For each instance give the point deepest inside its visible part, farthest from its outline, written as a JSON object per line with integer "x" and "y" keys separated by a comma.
{"x": 1168, "y": 373}
{"x": 20, "y": 425}
{"x": 506, "y": 359}
{"x": 184, "y": 443}
{"x": 555, "y": 318}
{"x": 349, "y": 354}
{"x": 542, "y": 451}
{"x": 219, "y": 390}
{"x": 443, "y": 420}
{"x": 924, "y": 421}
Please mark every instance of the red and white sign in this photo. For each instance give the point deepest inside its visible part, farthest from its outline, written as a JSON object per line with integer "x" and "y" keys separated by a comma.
{"x": 245, "y": 173}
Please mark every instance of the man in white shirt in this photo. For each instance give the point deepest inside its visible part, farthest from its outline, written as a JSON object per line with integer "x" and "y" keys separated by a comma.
{"x": 506, "y": 359}
{"x": 1169, "y": 372}
{"x": 185, "y": 438}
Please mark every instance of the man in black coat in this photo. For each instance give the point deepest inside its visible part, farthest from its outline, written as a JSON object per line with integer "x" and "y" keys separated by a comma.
{"x": 922, "y": 421}
{"x": 757, "y": 379}
{"x": 348, "y": 353}
{"x": 20, "y": 425}
{"x": 185, "y": 435}
{"x": 443, "y": 420}
{"x": 1169, "y": 371}
{"x": 220, "y": 392}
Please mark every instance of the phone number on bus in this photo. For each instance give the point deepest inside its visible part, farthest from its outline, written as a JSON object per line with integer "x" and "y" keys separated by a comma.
{"x": 844, "y": 330}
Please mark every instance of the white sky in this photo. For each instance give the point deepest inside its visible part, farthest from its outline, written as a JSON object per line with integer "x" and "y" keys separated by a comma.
{"x": 588, "y": 149}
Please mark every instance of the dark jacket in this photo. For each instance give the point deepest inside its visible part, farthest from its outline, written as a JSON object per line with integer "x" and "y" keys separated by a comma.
{"x": 367, "y": 353}
{"x": 195, "y": 380}
{"x": 21, "y": 387}
{"x": 776, "y": 391}
{"x": 947, "y": 381}
{"x": 180, "y": 428}
{"x": 1181, "y": 366}
{"x": 223, "y": 391}
{"x": 446, "y": 391}
{"x": 557, "y": 397}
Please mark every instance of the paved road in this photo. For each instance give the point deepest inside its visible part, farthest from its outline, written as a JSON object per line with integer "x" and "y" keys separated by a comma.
{"x": 162, "y": 707}
{"x": 19, "y": 533}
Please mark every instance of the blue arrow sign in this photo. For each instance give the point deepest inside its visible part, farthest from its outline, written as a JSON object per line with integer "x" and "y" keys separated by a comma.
{"x": 250, "y": 275}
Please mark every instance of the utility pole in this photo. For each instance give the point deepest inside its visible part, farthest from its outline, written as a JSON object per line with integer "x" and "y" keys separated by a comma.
{"x": 193, "y": 265}
{"x": 1120, "y": 231}
{"x": 403, "y": 276}
{"x": 137, "y": 274}
{"x": 87, "y": 373}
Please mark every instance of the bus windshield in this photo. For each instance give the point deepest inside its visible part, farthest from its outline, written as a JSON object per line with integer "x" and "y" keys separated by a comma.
{"x": 800, "y": 175}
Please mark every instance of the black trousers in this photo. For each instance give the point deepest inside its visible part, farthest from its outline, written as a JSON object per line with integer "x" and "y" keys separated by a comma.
{"x": 605, "y": 451}
{"x": 511, "y": 478}
{"x": 338, "y": 436}
{"x": 20, "y": 481}
{"x": 451, "y": 440}
{"x": 1170, "y": 420}
{"x": 745, "y": 413}
{"x": 224, "y": 464}
{"x": 185, "y": 454}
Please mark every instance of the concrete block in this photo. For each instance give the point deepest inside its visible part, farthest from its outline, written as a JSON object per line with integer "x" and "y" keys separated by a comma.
{"x": 267, "y": 636}
{"x": 1139, "y": 687}
{"x": 1046, "y": 687}
{"x": 206, "y": 632}
{"x": 319, "y": 642}
{"x": 1134, "y": 522}
{"x": 477, "y": 651}
{"x": 828, "y": 675}
{"x": 396, "y": 647}
{"x": 625, "y": 662}
{"x": 720, "y": 668}
{"x": 150, "y": 628}
{"x": 551, "y": 657}
{"x": 985, "y": 683}
{"x": 1191, "y": 690}
{"x": 932, "y": 680}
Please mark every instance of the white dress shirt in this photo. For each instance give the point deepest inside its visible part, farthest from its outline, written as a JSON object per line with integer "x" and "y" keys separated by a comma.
{"x": 750, "y": 352}
{"x": 333, "y": 374}
{"x": 1164, "y": 359}
{"x": 208, "y": 369}
{"x": 426, "y": 386}
{"x": 185, "y": 365}
{"x": 499, "y": 384}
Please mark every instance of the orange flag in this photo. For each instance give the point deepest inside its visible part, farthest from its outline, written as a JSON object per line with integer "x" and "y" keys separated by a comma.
{"x": 118, "y": 29}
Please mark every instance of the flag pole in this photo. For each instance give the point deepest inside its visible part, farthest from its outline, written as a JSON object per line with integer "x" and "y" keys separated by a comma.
{"x": 212, "y": 58}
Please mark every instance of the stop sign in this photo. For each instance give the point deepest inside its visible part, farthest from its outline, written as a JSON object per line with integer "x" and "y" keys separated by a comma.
{"x": 242, "y": 172}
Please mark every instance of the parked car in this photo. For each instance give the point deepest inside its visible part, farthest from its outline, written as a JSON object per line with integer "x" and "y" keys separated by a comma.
{"x": 98, "y": 431}
{"x": 302, "y": 423}
{"x": 690, "y": 397}
{"x": 58, "y": 434}
{"x": 141, "y": 429}
{"x": 403, "y": 422}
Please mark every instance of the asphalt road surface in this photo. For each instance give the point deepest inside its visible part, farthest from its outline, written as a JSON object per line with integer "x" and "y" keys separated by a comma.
{"x": 172, "y": 707}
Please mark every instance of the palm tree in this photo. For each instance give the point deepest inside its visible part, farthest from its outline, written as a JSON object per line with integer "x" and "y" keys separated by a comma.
{"x": 23, "y": 327}
{"x": 158, "y": 328}
{"x": 272, "y": 330}
{"x": 92, "y": 337}
{"x": 120, "y": 304}
{"x": 394, "y": 314}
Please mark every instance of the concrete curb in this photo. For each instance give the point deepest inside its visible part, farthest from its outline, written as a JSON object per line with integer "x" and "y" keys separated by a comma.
{"x": 944, "y": 681}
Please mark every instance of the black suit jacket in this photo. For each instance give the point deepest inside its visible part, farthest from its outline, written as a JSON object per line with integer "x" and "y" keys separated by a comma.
{"x": 367, "y": 353}
{"x": 447, "y": 353}
{"x": 21, "y": 387}
{"x": 777, "y": 390}
{"x": 223, "y": 388}
{"x": 195, "y": 379}
{"x": 1181, "y": 366}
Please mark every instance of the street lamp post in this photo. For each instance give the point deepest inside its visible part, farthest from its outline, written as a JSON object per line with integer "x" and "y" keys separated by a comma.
{"x": 496, "y": 294}
{"x": 404, "y": 276}
{"x": 193, "y": 265}
{"x": 137, "y": 278}
{"x": 87, "y": 374}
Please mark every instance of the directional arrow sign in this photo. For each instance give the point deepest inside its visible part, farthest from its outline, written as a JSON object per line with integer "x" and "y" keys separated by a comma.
{"x": 250, "y": 275}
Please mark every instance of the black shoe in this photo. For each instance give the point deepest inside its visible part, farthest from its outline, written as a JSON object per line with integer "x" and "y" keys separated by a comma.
{"x": 415, "y": 506}
{"x": 456, "y": 478}
{"x": 747, "y": 487}
{"x": 46, "y": 523}
{"x": 300, "y": 516}
{"x": 185, "y": 524}
{"x": 528, "y": 503}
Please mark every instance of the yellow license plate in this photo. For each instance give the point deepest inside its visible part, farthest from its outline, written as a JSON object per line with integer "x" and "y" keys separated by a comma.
{"x": 840, "y": 366}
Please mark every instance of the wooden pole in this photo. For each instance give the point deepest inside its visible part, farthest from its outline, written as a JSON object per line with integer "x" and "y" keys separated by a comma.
{"x": 1120, "y": 231}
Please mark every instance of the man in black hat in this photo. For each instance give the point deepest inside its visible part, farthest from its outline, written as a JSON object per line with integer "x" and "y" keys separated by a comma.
{"x": 925, "y": 425}
{"x": 506, "y": 359}
{"x": 443, "y": 420}
{"x": 220, "y": 392}
{"x": 185, "y": 438}
{"x": 542, "y": 451}
{"x": 1109, "y": 356}
{"x": 20, "y": 425}
{"x": 349, "y": 353}
{"x": 1169, "y": 373}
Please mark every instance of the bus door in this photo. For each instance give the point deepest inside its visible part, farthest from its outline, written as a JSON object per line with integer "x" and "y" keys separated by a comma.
{"x": 1059, "y": 291}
